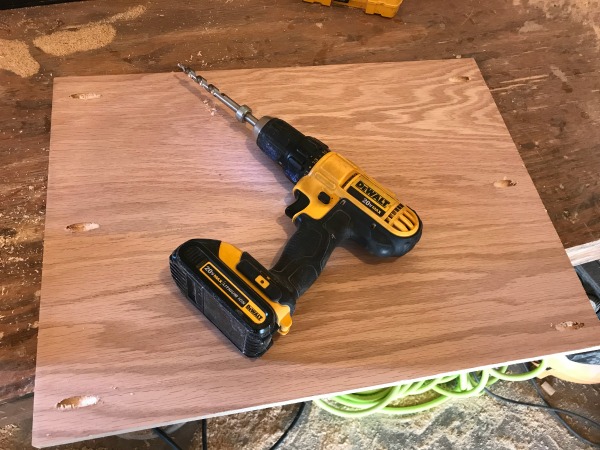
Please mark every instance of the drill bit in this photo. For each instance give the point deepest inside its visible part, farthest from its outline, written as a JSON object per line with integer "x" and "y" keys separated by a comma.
{"x": 242, "y": 112}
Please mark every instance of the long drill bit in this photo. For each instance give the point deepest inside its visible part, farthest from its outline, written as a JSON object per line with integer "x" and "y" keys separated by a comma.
{"x": 242, "y": 112}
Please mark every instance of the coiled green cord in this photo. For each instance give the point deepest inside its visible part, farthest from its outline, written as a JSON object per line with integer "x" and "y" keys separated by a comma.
{"x": 463, "y": 385}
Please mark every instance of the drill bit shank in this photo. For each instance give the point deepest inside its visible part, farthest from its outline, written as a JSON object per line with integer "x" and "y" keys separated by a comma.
{"x": 242, "y": 112}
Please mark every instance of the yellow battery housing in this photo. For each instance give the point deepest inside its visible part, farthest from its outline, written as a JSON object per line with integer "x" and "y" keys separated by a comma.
{"x": 385, "y": 8}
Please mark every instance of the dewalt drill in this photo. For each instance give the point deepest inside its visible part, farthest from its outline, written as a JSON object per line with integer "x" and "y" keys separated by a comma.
{"x": 335, "y": 201}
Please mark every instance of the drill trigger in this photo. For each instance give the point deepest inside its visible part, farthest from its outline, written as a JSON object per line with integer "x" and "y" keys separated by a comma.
{"x": 301, "y": 203}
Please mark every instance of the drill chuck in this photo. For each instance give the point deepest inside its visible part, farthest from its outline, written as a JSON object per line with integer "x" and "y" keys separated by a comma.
{"x": 293, "y": 151}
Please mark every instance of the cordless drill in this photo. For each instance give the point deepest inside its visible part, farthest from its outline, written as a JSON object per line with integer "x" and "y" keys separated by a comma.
{"x": 334, "y": 201}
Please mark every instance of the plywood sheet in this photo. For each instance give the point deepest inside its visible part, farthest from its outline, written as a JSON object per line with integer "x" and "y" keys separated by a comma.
{"x": 154, "y": 162}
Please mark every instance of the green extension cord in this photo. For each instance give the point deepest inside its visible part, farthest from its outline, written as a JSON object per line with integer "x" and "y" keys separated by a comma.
{"x": 463, "y": 385}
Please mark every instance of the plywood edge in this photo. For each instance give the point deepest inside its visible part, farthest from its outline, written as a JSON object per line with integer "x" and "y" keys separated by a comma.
{"x": 584, "y": 253}
{"x": 43, "y": 442}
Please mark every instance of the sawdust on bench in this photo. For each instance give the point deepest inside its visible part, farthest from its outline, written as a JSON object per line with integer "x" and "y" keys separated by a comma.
{"x": 15, "y": 56}
{"x": 90, "y": 36}
{"x": 65, "y": 42}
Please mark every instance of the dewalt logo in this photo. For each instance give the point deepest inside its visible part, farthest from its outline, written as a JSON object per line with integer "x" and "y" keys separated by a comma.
{"x": 372, "y": 194}
{"x": 254, "y": 312}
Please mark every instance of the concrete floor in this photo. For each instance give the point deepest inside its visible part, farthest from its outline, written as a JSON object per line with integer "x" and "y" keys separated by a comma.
{"x": 471, "y": 424}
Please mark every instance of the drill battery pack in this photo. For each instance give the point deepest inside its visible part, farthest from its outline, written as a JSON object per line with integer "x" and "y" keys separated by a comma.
{"x": 218, "y": 278}
{"x": 385, "y": 8}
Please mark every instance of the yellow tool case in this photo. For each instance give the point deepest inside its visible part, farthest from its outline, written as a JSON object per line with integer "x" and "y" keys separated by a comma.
{"x": 385, "y": 8}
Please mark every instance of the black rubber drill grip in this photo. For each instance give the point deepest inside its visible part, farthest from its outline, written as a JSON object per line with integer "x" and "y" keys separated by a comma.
{"x": 308, "y": 250}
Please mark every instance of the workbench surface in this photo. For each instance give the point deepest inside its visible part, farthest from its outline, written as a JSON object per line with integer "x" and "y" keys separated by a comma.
{"x": 539, "y": 58}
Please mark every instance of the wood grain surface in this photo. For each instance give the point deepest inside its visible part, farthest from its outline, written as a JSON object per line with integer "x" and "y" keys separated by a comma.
{"x": 153, "y": 162}
{"x": 539, "y": 58}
